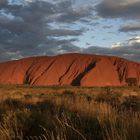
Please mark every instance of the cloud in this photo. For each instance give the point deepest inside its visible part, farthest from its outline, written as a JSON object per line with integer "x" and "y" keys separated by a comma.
{"x": 107, "y": 26}
{"x": 132, "y": 42}
{"x": 3, "y": 2}
{"x": 130, "y": 28}
{"x": 126, "y": 52}
{"x": 126, "y": 9}
{"x": 25, "y": 27}
{"x": 117, "y": 45}
{"x": 129, "y": 49}
{"x": 64, "y": 32}
{"x": 75, "y": 14}
{"x": 31, "y": 27}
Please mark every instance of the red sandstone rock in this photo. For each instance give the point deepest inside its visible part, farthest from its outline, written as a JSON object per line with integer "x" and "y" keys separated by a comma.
{"x": 70, "y": 69}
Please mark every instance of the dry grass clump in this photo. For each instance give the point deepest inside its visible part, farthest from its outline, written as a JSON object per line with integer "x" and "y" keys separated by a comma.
{"x": 107, "y": 115}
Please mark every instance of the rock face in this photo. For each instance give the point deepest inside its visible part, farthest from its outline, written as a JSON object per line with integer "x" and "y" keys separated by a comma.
{"x": 69, "y": 69}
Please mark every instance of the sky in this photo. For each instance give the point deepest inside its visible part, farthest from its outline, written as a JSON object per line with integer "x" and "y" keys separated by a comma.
{"x": 51, "y": 27}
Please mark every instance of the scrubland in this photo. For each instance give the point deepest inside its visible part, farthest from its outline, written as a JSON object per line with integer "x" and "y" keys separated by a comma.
{"x": 69, "y": 113}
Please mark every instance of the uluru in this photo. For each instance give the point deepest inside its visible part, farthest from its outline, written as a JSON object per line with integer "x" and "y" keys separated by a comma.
{"x": 69, "y": 69}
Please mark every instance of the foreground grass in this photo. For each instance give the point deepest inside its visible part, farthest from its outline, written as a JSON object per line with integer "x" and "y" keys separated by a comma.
{"x": 53, "y": 113}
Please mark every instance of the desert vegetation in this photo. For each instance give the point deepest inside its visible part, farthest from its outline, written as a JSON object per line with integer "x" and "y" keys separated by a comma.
{"x": 69, "y": 113}
{"x": 132, "y": 81}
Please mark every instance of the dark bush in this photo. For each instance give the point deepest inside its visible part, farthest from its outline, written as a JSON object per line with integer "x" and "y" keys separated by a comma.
{"x": 131, "y": 103}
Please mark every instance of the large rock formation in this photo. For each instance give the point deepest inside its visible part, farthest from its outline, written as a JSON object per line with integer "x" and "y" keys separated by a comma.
{"x": 70, "y": 69}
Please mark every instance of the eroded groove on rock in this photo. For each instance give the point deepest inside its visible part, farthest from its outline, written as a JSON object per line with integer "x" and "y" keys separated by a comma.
{"x": 66, "y": 71}
{"x": 77, "y": 80}
{"x": 27, "y": 79}
{"x": 43, "y": 72}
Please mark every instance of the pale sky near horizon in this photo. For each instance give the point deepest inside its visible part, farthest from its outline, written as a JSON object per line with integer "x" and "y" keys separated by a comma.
{"x": 50, "y": 27}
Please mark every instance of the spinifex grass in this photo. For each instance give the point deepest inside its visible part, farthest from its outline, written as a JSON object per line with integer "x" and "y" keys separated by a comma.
{"x": 70, "y": 114}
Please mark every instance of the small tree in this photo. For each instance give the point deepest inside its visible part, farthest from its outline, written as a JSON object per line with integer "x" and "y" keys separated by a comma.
{"x": 132, "y": 81}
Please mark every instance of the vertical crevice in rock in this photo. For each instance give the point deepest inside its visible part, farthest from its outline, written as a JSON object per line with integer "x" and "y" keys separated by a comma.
{"x": 27, "y": 78}
{"x": 33, "y": 82}
{"x": 77, "y": 80}
{"x": 121, "y": 68}
{"x": 60, "y": 79}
